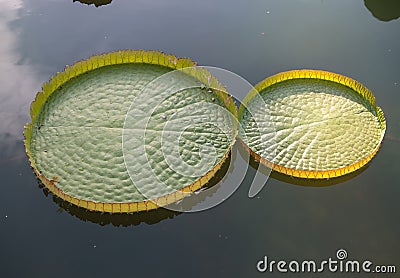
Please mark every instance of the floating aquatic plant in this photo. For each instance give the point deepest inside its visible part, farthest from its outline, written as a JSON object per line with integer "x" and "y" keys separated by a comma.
{"x": 79, "y": 119}
{"x": 311, "y": 124}
{"x": 136, "y": 130}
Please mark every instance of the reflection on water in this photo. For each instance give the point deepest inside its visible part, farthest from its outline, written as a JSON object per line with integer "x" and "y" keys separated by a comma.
{"x": 116, "y": 219}
{"x": 97, "y": 3}
{"x": 384, "y": 10}
{"x": 316, "y": 183}
{"x": 40, "y": 37}
{"x": 17, "y": 81}
{"x": 255, "y": 164}
{"x": 148, "y": 217}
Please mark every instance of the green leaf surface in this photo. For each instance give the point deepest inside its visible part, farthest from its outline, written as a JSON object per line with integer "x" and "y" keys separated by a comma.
{"x": 310, "y": 126}
{"x": 75, "y": 141}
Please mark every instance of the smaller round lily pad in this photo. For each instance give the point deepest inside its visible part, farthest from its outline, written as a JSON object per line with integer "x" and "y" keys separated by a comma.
{"x": 311, "y": 124}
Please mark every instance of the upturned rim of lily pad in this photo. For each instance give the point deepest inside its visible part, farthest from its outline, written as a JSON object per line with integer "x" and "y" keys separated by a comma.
{"x": 320, "y": 75}
{"x": 116, "y": 58}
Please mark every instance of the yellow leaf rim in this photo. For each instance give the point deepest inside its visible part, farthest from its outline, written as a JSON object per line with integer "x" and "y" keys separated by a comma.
{"x": 321, "y": 75}
{"x": 115, "y": 58}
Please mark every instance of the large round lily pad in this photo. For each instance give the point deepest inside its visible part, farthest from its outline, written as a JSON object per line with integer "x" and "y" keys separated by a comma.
{"x": 75, "y": 141}
{"x": 311, "y": 124}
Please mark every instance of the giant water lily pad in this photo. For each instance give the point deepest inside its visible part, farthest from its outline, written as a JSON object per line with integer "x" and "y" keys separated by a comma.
{"x": 311, "y": 124}
{"x": 79, "y": 120}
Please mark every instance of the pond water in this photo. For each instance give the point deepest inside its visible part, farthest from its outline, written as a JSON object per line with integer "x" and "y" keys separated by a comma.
{"x": 40, "y": 236}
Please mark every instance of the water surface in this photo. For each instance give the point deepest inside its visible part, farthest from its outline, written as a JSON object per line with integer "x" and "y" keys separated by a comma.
{"x": 41, "y": 236}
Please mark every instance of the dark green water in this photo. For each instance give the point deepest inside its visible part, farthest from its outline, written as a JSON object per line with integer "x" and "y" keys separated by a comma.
{"x": 41, "y": 237}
